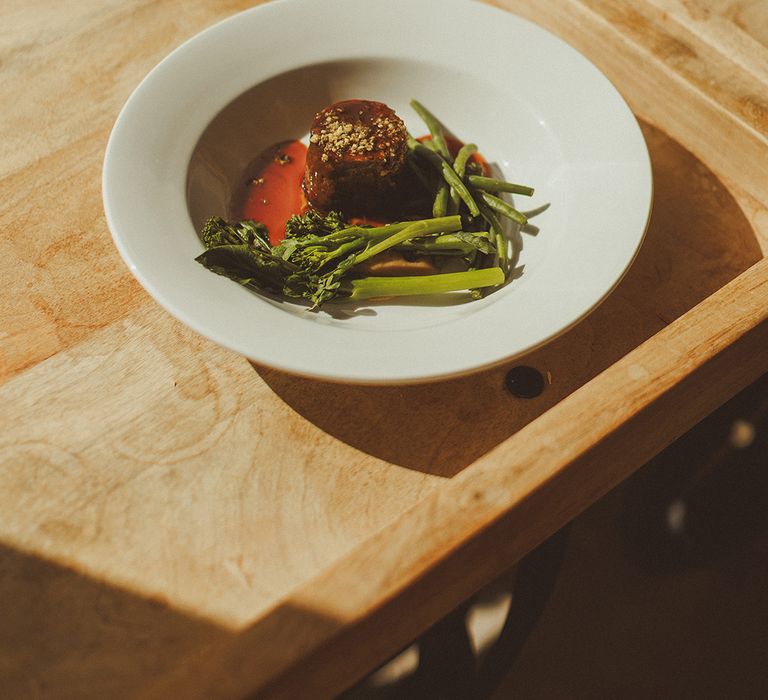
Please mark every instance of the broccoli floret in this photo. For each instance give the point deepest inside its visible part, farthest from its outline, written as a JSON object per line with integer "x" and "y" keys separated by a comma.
{"x": 314, "y": 224}
{"x": 217, "y": 232}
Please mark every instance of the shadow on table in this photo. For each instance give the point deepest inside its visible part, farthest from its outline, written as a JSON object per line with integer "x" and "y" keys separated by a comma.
{"x": 697, "y": 241}
{"x": 66, "y": 635}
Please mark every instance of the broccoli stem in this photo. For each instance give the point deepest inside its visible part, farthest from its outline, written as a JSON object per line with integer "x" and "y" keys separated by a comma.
{"x": 447, "y": 243}
{"x": 442, "y": 224}
{"x": 368, "y": 232}
{"x": 371, "y": 287}
{"x": 363, "y": 236}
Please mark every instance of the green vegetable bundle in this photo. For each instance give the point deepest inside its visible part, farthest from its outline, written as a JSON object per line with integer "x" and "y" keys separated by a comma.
{"x": 458, "y": 186}
{"x": 318, "y": 260}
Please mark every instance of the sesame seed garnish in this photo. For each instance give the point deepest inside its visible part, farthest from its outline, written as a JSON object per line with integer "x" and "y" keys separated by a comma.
{"x": 337, "y": 137}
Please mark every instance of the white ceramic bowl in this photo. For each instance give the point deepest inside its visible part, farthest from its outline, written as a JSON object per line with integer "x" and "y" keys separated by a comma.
{"x": 537, "y": 108}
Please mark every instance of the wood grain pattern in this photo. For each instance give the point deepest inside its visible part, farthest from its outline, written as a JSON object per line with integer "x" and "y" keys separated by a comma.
{"x": 69, "y": 71}
{"x": 729, "y": 126}
{"x": 519, "y": 493}
{"x": 150, "y": 441}
{"x": 739, "y": 28}
{"x": 179, "y": 523}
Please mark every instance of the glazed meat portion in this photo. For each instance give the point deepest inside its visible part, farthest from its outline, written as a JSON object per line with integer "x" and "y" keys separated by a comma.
{"x": 356, "y": 158}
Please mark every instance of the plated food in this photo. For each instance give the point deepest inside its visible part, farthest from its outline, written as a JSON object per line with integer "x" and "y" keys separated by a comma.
{"x": 437, "y": 213}
{"x": 536, "y": 107}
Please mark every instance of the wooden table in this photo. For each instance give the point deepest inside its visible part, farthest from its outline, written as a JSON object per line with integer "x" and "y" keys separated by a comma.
{"x": 175, "y": 522}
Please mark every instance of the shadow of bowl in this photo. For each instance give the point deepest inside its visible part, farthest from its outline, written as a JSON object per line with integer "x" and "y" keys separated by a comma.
{"x": 698, "y": 240}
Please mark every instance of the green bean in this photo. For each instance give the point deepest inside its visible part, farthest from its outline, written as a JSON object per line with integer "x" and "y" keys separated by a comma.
{"x": 501, "y": 241}
{"x": 454, "y": 201}
{"x": 435, "y": 128}
{"x": 413, "y": 143}
{"x": 448, "y": 173}
{"x": 464, "y": 154}
{"x": 501, "y": 207}
{"x": 461, "y": 189}
{"x": 425, "y": 181}
{"x": 491, "y": 184}
{"x": 428, "y": 154}
{"x": 431, "y": 145}
{"x": 460, "y": 165}
{"x": 440, "y": 205}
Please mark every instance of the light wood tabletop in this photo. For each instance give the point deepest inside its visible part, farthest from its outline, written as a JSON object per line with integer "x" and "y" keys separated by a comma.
{"x": 178, "y": 522}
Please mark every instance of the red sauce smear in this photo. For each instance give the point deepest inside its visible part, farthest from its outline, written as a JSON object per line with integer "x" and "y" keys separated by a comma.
{"x": 274, "y": 193}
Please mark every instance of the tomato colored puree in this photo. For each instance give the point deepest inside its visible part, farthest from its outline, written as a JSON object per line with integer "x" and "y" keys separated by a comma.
{"x": 274, "y": 192}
